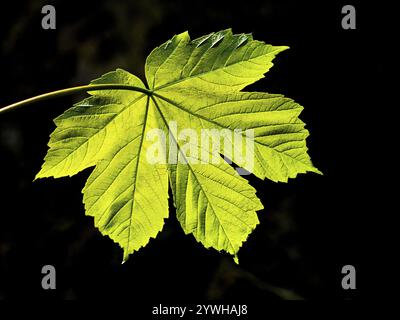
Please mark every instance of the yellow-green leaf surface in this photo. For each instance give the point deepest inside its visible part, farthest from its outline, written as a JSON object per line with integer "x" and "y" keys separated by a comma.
{"x": 196, "y": 84}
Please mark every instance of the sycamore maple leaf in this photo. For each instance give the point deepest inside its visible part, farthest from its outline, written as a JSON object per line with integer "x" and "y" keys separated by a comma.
{"x": 195, "y": 84}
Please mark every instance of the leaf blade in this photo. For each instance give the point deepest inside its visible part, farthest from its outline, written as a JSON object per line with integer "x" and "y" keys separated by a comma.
{"x": 198, "y": 85}
{"x": 220, "y": 189}
{"x": 225, "y": 67}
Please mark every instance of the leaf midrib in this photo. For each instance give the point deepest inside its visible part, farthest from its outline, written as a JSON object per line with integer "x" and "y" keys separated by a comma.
{"x": 209, "y": 71}
{"x": 194, "y": 175}
{"x": 219, "y": 125}
{"x": 137, "y": 169}
{"x": 136, "y": 100}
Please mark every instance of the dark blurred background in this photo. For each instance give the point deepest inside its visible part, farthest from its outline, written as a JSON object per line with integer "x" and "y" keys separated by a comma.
{"x": 309, "y": 228}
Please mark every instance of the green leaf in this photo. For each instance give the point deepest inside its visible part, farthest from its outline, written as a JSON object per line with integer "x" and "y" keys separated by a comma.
{"x": 196, "y": 85}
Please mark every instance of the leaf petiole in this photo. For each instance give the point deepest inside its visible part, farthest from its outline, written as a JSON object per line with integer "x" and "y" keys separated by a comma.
{"x": 73, "y": 90}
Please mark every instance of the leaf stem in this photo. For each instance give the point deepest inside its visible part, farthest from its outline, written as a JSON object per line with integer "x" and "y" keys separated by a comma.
{"x": 73, "y": 90}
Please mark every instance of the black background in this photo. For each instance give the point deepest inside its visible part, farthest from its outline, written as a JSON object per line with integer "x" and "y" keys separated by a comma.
{"x": 309, "y": 228}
